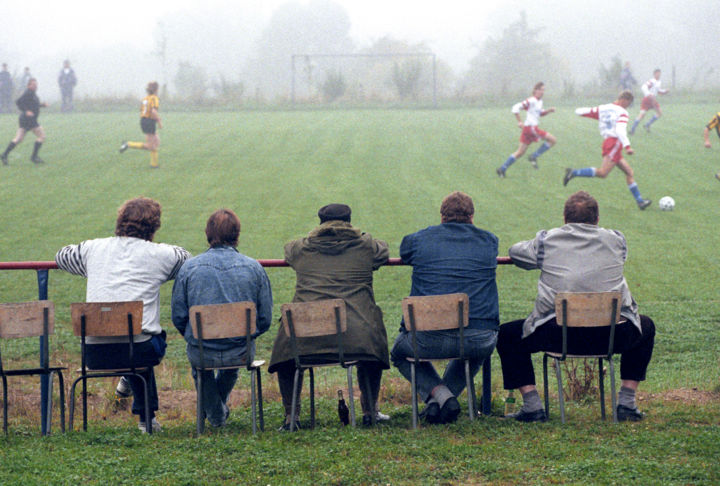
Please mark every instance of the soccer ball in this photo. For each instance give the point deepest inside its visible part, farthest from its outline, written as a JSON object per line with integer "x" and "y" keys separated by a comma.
{"x": 666, "y": 203}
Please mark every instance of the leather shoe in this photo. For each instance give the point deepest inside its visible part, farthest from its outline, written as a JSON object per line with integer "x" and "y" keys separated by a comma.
{"x": 432, "y": 413}
{"x": 450, "y": 411}
{"x": 523, "y": 416}
{"x": 626, "y": 414}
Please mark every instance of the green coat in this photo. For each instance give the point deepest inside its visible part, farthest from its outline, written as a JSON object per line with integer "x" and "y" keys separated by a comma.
{"x": 336, "y": 261}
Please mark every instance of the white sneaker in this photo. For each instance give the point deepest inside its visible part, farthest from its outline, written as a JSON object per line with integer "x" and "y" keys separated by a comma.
{"x": 123, "y": 389}
{"x": 381, "y": 417}
{"x": 156, "y": 427}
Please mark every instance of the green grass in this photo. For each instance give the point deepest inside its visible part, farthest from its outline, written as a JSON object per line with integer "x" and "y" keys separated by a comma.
{"x": 275, "y": 169}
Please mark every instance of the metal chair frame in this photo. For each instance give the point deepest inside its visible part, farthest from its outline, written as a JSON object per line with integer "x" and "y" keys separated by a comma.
{"x": 561, "y": 304}
{"x": 215, "y": 312}
{"x": 21, "y": 323}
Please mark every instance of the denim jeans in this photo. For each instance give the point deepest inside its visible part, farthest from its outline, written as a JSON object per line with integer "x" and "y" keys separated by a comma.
{"x": 479, "y": 344}
{"x": 217, "y": 384}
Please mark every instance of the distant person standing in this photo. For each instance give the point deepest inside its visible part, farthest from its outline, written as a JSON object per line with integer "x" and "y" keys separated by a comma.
{"x": 530, "y": 131}
{"x": 67, "y": 82}
{"x": 627, "y": 81}
{"x": 6, "y": 88}
{"x": 712, "y": 124}
{"x": 29, "y": 106}
{"x": 25, "y": 78}
{"x": 612, "y": 118}
{"x": 149, "y": 124}
{"x": 650, "y": 90}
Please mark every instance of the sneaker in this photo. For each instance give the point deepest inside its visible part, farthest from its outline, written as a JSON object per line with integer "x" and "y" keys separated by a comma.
{"x": 431, "y": 414}
{"x": 522, "y": 416}
{"x": 123, "y": 147}
{"x": 643, "y": 203}
{"x": 367, "y": 421}
{"x": 37, "y": 160}
{"x": 123, "y": 389}
{"x": 154, "y": 166}
{"x": 500, "y": 172}
{"x": 626, "y": 414}
{"x": 647, "y": 128}
{"x": 450, "y": 411}
{"x": 533, "y": 161}
{"x": 381, "y": 417}
{"x": 155, "y": 425}
{"x": 223, "y": 422}
{"x": 568, "y": 175}
{"x": 286, "y": 426}
{"x": 4, "y": 158}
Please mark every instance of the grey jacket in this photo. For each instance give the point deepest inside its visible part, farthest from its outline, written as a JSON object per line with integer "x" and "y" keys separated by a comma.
{"x": 576, "y": 257}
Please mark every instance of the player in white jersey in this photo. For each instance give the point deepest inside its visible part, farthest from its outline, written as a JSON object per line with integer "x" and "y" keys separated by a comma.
{"x": 530, "y": 131}
{"x": 650, "y": 90}
{"x": 612, "y": 119}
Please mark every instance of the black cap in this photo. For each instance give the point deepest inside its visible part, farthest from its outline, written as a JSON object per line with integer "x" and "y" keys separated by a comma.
{"x": 334, "y": 212}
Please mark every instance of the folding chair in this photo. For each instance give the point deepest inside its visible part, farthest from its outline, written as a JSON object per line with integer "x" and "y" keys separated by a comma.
{"x": 218, "y": 321}
{"x": 31, "y": 319}
{"x": 315, "y": 319}
{"x": 584, "y": 309}
{"x": 438, "y": 312}
{"x": 106, "y": 319}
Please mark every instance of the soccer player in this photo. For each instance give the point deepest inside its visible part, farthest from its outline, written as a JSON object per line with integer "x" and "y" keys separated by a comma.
{"x": 612, "y": 118}
{"x": 29, "y": 106}
{"x": 149, "y": 124}
{"x": 650, "y": 91}
{"x": 530, "y": 131}
{"x": 714, "y": 123}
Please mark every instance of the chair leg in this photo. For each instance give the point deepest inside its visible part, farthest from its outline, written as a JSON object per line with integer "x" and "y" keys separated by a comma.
{"x": 561, "y": 396}
{"x": 48, "y": 404}
{"x": 71, "y": 412}
{"x": 413, "y": 391}
{"x": 612, "y": 389}
{"x": 602, "y": 388}
{"x": 470, "y": 392}
{"x": 148, "y": 420}
{"x": 200, "y": 406}
{"x": 351, "y": 396}
{"x": 5, "y": 405}
{"x": 84, "y": 402}
{"x": 312, "y": 398}
{"x": 260, "y": 399}
{"x": 545, "y": 384}
{"x": 487, "y": 386}
{"x": 61, "y": 383}
{"x": 253, "y": 405}
{"x": 293, "y": 413}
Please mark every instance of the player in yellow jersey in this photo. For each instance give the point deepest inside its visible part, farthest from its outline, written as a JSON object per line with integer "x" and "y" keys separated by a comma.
{"x": 714, "y": 123}
{"x": 149, "y": 123}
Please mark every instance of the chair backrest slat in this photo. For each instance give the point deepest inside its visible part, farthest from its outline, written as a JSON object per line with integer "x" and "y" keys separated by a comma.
{"x": 107, "y": 318}
{"x": 315, "y": 318}
{"x": 436, "y": 312}
{"x": 223, "y": 320}
{"x": 588, "y": 309}
{"x": 25, "y": 319}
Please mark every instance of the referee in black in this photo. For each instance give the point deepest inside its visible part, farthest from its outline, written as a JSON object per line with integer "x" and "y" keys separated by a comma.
{"x": 29, "y": 106}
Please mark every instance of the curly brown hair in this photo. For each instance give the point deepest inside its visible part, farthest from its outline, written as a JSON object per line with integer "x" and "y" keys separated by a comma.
{"x": 581, "y": 207}
{"x": 457, "y": 207}
{"x": 223, "y": 228}
{"x": 139, "y": 218}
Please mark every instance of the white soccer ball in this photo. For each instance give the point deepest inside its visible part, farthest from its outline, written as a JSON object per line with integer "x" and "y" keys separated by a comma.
{"x": 666, "y": 203}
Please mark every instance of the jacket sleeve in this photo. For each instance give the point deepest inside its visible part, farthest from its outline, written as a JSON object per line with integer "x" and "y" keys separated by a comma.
{"x": 407, "y": 249}
{"x": 528, "y": 254}
{"x": 180, "y": 255}
{"x": 380, "y": 253}
{"x": 71, "y": 259}
{"x": 180, "y": 312}
{"x": 264, "y": 303}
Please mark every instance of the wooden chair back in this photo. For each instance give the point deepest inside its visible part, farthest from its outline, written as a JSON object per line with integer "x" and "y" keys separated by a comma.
{"x": 26, "y": 319}
{"x": 106, "y": 318}
{"x": 317, "y": 318}
{"x": 436, "y": 312}
{"x": 588, "y": 309}
{"x": 220, "y": 321}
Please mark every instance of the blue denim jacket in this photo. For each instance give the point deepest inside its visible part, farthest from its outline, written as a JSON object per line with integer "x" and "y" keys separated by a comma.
{"x": 456, "y": 257}
{"x": 218, "y": 276}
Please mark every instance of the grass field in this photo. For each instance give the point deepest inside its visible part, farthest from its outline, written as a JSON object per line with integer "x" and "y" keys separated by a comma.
{"x": 275, "y": 169}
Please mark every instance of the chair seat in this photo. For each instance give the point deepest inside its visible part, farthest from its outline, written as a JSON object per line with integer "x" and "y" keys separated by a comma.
{"x": 553, "y": 354}
{"x": 32, "y": 371}
{"x": 412, "y": 360}
{"x": 258, "y": 363}
{"x": 324, "y": 364}
{"x": 113, "y": 370}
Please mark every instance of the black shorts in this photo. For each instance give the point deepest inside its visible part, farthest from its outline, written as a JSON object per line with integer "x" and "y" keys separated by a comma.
{"x": 28, "y": 123}
{"x": 148, "y": 126}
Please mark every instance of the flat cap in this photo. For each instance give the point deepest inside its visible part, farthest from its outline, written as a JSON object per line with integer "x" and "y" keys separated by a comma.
{"x": 334, "y": 212}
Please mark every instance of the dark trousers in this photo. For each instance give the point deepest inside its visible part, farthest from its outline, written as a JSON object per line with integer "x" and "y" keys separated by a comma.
{"x": 369, "y": 375}
{"x": 146, "y": 354}
{"x": 515, "y": 352}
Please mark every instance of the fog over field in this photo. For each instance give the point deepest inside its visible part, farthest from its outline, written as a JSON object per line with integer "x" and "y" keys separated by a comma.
{"x": 115, "y": 48}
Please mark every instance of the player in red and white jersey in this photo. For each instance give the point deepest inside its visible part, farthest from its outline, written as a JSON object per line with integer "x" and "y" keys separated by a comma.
{"x": 530, "y": 131}
{"x": 612, "y": 121}
{"x": 650, "y": 89}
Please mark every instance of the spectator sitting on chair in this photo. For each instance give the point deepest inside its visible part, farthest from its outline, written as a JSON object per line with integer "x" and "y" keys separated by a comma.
{"x": 336, "y": 261}
{"x": 220, "y": 275}
{"x": 128, "y": 267}
{"x": 453, "y": 257}
{"x": 577, "y": 257}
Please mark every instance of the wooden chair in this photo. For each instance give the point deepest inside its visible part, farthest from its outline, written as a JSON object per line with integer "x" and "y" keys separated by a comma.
{"x": 438, "y": 312}
{"x": 315, "y": 319}
{"x": 219, "y": 321}
{"x": 584, "y": 309}
{"x": 31, "y": 319}
{"x": 107, "y": 319}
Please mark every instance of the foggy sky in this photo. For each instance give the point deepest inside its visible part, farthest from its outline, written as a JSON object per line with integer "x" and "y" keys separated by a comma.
{"x": 112, "y": 47}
